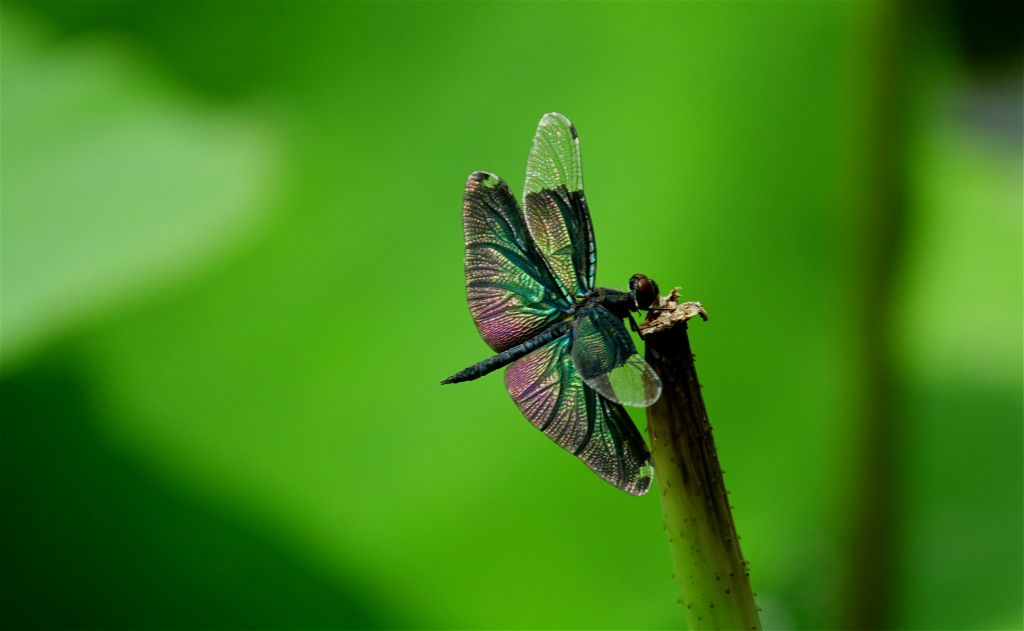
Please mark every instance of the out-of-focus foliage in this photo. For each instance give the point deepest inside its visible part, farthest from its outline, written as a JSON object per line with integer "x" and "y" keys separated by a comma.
{"x": 232, "y": 280}
{"x": 115, "y": 180}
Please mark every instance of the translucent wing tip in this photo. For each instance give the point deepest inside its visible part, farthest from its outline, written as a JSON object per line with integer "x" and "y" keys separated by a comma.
{"x": 554, "y": 118}
{"x": 634, "y": 384}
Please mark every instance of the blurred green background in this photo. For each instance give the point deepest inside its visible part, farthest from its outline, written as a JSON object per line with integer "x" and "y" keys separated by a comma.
{"x": 232, "y": 280}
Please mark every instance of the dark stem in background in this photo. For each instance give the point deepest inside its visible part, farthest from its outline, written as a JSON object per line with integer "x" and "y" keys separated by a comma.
{"x": 714, "y": 583}
{"x": 870, "y": 550}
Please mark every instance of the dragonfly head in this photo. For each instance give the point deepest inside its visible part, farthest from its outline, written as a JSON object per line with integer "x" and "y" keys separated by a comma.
{"x": 643, "y": 292}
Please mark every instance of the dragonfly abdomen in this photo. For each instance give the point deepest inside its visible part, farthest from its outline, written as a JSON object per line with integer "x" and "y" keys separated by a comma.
{"x": 505, "y": 358}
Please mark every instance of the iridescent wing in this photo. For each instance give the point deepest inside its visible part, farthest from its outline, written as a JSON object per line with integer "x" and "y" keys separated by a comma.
{"x": 512, "y": 293}
{"x": 605, "y": 357}
{"x": 549, "y": 392}
{"x": 556, "y": 210}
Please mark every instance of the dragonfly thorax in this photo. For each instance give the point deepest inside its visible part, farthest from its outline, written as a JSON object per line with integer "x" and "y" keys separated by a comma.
{"x": 642, "y": 294}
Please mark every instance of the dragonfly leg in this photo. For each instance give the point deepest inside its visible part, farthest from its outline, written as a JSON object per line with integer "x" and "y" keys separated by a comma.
{"x": 634, "y": 326}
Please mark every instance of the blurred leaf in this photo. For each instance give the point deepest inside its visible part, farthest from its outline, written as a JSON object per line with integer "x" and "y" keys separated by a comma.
{"x": 115, "y": 181}
{"x": 964, "y": 284}
{"x": 961, "y": 534}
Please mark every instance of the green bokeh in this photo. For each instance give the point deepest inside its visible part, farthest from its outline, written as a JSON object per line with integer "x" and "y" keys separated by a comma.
{"x": 247, "y": 430}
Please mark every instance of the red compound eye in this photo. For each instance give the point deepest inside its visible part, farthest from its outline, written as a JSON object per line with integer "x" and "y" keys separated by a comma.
{"x": 644, "y": 291}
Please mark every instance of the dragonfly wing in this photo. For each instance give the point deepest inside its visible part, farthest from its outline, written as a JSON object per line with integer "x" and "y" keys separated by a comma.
{"x": 606, "y": 359}
{"x": 545, "y": 386}
{"x": 556, "y": 210}
{"x": 512, "y": 294}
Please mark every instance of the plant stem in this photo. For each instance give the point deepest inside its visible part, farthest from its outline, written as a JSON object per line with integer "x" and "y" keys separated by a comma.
{"x": 872, "y": 293}
{"x": 714, "y": 583}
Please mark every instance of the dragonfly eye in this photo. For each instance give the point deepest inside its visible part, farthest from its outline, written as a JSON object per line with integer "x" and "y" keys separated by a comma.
{"x": 643, "y": 290}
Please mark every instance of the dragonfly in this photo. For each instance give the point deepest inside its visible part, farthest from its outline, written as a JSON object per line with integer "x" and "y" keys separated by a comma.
{"x": 572, "y": 364}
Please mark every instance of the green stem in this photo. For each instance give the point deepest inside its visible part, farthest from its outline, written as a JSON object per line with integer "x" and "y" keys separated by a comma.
{"x": 714, "y": 583}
